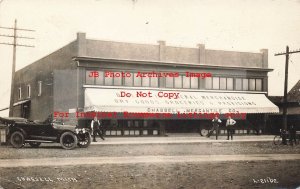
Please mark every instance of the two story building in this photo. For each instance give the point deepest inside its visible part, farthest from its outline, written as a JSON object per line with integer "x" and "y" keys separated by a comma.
{"x": 145, "y": 89}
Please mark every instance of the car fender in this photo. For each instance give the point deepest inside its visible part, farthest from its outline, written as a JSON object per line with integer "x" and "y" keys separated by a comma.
{"x": 63, "y": 131}
{"x": 17, "y": 129}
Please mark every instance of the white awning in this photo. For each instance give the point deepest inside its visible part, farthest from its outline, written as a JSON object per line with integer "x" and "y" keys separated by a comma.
{"x": 170, "y": 101}
{"x": 20, "y": 102}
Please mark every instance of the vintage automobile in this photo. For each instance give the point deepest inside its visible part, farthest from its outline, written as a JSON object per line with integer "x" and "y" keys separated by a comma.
{"x": 21, "y": 131}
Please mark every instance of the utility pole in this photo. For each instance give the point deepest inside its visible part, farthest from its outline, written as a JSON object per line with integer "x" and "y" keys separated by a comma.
{"x": 14, "y": 44}
{"x": 287, "y": 53}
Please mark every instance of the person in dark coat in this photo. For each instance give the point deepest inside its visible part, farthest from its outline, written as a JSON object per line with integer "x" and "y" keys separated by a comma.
{"x": 215, "y": 126}
{"x": 95, "y": 126}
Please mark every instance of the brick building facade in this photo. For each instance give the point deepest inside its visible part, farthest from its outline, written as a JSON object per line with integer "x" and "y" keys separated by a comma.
{"x": 61, "y": 82}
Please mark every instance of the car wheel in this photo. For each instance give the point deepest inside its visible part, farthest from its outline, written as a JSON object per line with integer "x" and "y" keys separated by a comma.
{"x": 277, "y": 140}
{"x": 85, "y": 141}
{"x": 68, "y": 140}
{"x": 34, "y": 144}
{"x": 203, "y": 132}
{"x": 17, "y": 139}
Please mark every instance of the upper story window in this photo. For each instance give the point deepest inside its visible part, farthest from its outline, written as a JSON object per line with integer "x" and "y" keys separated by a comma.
{"x": 169, "y": 82}
{"x": 238, "y": 84}
{"x": 146, "y": 81}
{"x": 28, "y": 91}
{"x": 19, "y": 93}
{"x": 100, "y": 78}
{"x": 258, "y": 84}
{"x": 108, "y": 81}
{"x": 245, "y": 84}
{"x": 137, "y": 81}
{"x": 208, "y": 83}
{"x": 216, "y": 83}
{"x": 186, "y": 82}
{"x": 39, "y": 88}
{"x": 128, "y": 81}
{"x": 154, "y": 82}
{"x": 252, "y": 84}
{"x": 229, "y": 84}
{"x": 194, "y": 83}
{"x": 180, "y": 82}
{"x": 223, "y": 83}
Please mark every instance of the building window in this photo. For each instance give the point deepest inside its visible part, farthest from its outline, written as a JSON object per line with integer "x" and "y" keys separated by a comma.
{"x": 146, "y": 81}
{"x": 154, "y": 82}
{"x": 229, "y": 84}
{"x": 245, "y": 84}
{"x": 169, "y": 82}
{"x": 88, "y": 79}
{"x": 117, "y": 81}
{"x": 252, "y": 84}
{"x": 178, "y": 82}
{"x": 216, "y": 83}
{"x": 100, "y": 78}
{"x": 208, "y": 83}
{"x": 108, "y": 81}
{"x": 137, "y": 81}
{"x": 194, "y": 83}
{"x": 19, "y": 93}
{"x": 28, "y": 91}
{"x": 129, "y": 80}
{"x": 39, "y": 88}
{"x": 186, "y": 82}
{"x": 238, "y": 84}
{"x": 223, "y": 83}
{"x": 258, "y": 84}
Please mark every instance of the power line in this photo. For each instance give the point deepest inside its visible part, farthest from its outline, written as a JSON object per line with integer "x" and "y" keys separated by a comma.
{"x": 287, "y": 54}
{"x": 17, "y": 36}
{"x": 15, "y": 45}
{"x": 16, "y": 29}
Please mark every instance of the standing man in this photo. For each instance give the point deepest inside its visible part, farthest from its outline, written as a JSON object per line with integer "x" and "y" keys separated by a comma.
{"x": 229, "y": 124}
{"x": 292, "y": 133}
{"x": 95, "y": 126}
{"x": 215, "y": 126}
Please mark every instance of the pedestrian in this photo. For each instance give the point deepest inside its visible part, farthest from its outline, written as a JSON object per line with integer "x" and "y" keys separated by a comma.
{"x": 292, "y": 133}
{"x": 215, "y": 127}
{"x": 95, "y": 126}
{"x": 229, "y": 125}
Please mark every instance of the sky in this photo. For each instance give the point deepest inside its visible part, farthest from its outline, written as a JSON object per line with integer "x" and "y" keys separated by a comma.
{"x": 234, "y": 25}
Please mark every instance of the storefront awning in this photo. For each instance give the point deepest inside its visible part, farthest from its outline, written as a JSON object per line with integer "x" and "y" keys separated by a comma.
{"x": 171, "y": 101}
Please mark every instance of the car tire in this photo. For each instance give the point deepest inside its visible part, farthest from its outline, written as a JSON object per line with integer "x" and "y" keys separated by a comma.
{"x": 34, "y": 144}
{"x": 68, "y": 140}
{"x": 87, "y": 142}
{"x": 203, "y": 132}
{"x": 17, "y": 139}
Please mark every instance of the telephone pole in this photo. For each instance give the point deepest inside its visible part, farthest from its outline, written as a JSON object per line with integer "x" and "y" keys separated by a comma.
{"x": 14, "y": 44}
{"x": 287, "y": 54}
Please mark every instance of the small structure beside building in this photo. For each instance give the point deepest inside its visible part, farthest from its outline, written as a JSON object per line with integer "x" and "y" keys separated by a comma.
{"x": 293, "y": 110}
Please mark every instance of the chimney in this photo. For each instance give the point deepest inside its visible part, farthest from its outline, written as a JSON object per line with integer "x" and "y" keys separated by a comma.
{"x": 162, "y": 50}
{"x": 264, "y": 57}
{"x": 201, "y": 53}
{"x": 81, "y": 44}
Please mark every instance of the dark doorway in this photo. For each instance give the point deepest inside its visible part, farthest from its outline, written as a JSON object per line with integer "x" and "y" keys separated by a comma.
{"x": 25, "y": 110}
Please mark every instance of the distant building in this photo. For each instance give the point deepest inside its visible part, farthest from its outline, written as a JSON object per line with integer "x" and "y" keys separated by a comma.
{"x": 293, "y": 110}
{"x": 75, "y": 79}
